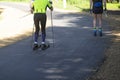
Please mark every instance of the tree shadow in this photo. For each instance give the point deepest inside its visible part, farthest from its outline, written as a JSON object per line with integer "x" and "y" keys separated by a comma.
{"x": 114, "y": 12}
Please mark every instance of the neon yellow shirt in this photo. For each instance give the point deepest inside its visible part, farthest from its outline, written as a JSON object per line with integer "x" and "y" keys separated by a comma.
{"x": 40, "y": 6}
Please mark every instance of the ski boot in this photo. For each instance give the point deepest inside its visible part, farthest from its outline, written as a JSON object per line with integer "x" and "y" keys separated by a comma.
{"x": 44, "y": 46}
{"x": 94, "y": 32}
{"x": 100, "y": 32}
{"x": 35, "y": 46}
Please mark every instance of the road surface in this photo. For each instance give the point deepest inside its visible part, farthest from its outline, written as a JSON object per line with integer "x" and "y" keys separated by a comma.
{"x": 76, "y": 54}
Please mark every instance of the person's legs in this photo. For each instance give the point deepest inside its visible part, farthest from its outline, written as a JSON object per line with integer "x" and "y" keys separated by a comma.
{"x": 43, "y": 27}
{"x": 37, "y": 28}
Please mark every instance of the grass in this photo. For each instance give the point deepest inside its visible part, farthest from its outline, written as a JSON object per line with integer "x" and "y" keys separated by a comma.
{"x": 113, "y": 6}
{"x": 83, "y": 5}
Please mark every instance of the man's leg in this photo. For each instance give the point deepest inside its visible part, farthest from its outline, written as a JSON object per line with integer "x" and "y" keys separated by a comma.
{"x": 43, "y": 30}
{"x": 43, "y": 27}
{"x": 37, "y": 27}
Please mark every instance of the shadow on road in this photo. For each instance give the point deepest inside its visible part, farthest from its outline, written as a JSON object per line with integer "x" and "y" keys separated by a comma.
{"x": 114, "y": 12}
{"x": 76, "y": 55}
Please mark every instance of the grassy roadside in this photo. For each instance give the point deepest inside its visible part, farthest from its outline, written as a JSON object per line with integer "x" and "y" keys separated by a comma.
{"x": 83, "y": 5}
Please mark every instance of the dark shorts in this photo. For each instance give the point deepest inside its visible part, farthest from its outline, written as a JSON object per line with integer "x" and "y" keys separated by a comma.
{"x": 97, "y": 10}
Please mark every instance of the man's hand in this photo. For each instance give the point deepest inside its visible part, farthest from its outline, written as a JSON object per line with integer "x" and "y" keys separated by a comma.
{"x": 32, "y": 10}
{"x": 50, "y": 2}
{"x": 105, "y": 9}
{"x": 51, "y": 8}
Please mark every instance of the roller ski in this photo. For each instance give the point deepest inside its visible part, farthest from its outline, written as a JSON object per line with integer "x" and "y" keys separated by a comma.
{"x": 36, "y": 46}
{"x": 100, "y": 32}
{"x": 95, "y": 32}
{"x": 44, "y": 46}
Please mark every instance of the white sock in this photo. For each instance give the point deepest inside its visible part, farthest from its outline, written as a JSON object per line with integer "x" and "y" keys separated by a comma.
{"x": 35, "y": 42}
{"x": 43, "y": 42}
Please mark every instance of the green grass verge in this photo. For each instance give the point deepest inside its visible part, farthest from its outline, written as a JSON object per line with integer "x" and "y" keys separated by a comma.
{"x": 113, "y": 6}
{"x": 83, "y": 5}
{"x": 79, "y": 7}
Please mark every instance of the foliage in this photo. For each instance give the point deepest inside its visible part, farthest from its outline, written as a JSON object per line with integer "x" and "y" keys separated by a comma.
{"x": 82, "y": 5}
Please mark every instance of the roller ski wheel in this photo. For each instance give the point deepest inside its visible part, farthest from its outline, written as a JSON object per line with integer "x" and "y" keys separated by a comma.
{"x": 36, "y": 46}
{"x": 44, "y": 46}
{"x": 95, "y": 33}
{"x": 100, "y": 33}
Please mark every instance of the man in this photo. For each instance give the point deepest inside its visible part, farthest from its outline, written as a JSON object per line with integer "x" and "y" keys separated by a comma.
{"x": 39, "y": 8}
{"x": 96, "y": 6}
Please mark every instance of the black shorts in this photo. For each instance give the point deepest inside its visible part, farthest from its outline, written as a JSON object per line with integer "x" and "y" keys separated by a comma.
{"x": 97, "y": 10}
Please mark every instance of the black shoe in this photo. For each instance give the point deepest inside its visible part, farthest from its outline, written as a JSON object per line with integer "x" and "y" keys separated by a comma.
{"x": 44, "y": 46}
{"x": 95, "y": 32}
{"x": 35, "y": 46}
{"x": 100, "y": 32}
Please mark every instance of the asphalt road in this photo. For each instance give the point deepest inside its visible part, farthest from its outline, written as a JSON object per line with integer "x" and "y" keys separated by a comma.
{"x": 76, "y": 54}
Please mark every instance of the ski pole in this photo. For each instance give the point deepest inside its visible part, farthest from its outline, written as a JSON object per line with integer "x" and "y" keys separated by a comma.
{"x": 90, "y": 12}
{"x": 32, "y": 35}
{"x": 105, "y": 14}
{"x": 52, "y": 29}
